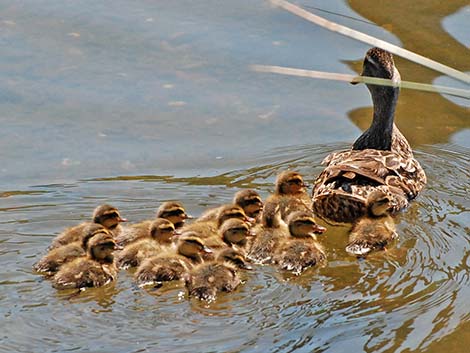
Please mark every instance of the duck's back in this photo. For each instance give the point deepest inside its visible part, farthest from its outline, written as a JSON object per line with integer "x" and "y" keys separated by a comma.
{"x": 55, "y": 258}
{"x": 133, "y": 254}
{"x": 297, "y": 254}
{"x": 266, "y": 243}
{"x": 82, "y": 273}
{"x": 341, "y": 190}
{"x": 133, "y": 233}
{"x": 205, "y": 280}
{"x": 162, "y": 268}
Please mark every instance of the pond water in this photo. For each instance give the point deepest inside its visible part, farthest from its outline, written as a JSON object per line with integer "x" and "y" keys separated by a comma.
{"x": 135, "y": 103}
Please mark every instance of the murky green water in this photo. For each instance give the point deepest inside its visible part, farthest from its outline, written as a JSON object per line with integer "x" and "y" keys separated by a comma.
{"x": 135, "y": 103}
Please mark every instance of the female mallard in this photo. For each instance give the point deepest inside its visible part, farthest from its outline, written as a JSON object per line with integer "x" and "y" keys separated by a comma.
{"x": 380, "y": 159}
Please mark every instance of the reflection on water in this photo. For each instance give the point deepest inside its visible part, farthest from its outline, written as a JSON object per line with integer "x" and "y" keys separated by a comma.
{"x": 136, "y": 104}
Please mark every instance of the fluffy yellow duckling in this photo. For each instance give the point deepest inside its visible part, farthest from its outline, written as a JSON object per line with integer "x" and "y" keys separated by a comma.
{"x": 291, "y": 194}
{"x": 106, "y": 215}
{"x": 301, "y": 250}
{"x": 172, "y": 211}
{"x": 233, "y": 231}
{"x": 55, "y": 258}
{"x": 206, "y": 280}
{"x": 93, "y": 270}
{"x": 161, "y": 233}
{"x": 171, "y": 265}
{"x": 374, "y": 230}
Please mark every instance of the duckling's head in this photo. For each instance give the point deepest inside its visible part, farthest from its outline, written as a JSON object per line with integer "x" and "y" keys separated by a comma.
{"x": 271, "y": 217}
{"x": 235, "y": 257}
{"x": 162, "y": 230}
{"x": 235, "y": 231}
{"x": 302, "y": 225}
{"x": 379, "y": 203}
{"x": 250, "y": 201}
{"x": 190, "y": 245}
{"x": 231, "y": 211}
{"x": 90, "y": 231}
{"x": 290, "y": 183}
{"x": 174, "y": 212}
{"x": 108, "y": 216}
{"x": 101, "y": 246}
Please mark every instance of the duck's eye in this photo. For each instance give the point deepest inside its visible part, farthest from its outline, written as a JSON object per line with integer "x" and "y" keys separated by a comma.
{"x": 295, "y": 181}
{"x": 177, "y": 212}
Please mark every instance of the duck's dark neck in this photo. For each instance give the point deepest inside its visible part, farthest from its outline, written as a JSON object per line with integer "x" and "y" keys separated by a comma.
{"x": 379, "y": 135}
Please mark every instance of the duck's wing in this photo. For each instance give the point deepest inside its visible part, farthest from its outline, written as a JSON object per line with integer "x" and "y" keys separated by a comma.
{"x": 341, "y": 190}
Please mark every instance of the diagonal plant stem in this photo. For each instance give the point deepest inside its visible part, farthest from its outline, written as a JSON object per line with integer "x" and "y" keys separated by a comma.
{"x": 346, "y": 31}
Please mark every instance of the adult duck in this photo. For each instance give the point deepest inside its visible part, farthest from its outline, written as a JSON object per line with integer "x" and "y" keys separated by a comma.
{"x": 380, "y": 159}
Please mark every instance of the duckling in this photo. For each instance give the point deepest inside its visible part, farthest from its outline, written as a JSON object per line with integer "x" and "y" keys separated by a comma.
{"x": 93, "y": 270}
{"x": 170, "y": 265}
{"x": 161, "y": 233}
{"x": 380, "y": 159}
{"x": 171, "y": 210}
{"x": 247, "y": 199}
{"x": 267, "y": 235}
{"x": 106, "y": 215}
{"x": 206, "y": 280}
{"x": 374, "y": 230}
{"x": 174, "y": 212}
{"x": 233, "y": 231}
{"x": 209, "y": 227}
{"x": 301, "y": 250}
{"x": 291, "y": 194}
{"x": 55, "y": 258}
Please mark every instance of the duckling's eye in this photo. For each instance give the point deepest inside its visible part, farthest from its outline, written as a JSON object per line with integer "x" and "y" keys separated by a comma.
{"x": 111, "y": 215}
{"x": 177, "y": 212}
{"x": 295, "y": 181}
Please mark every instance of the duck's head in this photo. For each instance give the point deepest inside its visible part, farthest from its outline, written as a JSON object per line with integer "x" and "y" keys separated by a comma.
{"x": 302, "y": 225}
{"x": 90, "y": 231}
{"x": 101, "y": 246}
{"x": 379, "y": 203}
{"x": 108, "y": 216}
{"x": 174, "y": 212}
{"x": 234, "y": 257}
{"x": 231, "y": 211}
{"x": 290, "y": 183}
{"x": 379, "y": 63}
{"x": 235, "y": 231}
{"x": 271, "y": 217}
{"x": 190, "y": 245}
{"x": 250, "y": 201}
{"x": 162, "y": 230}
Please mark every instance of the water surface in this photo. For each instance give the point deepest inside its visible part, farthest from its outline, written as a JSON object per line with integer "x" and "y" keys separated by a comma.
{"x": 138, "y": 103}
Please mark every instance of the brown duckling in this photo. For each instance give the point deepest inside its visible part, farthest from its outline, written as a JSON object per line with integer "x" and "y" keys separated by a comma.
{"x": 233, "y": 231}
{"x": 374, "y": 230}
{"x": 172, "y": 211}
{"x": 172, "y": 265}
{"x": 206, "y": 280}
{"x": 161, "y": 233}
{"x": 301, "y": 250}
{"x": 247, "y": 199}
{"x": 210, "y": 227}
{"x": 106, "y": 215}
{"x": 268, "y": 234}
{"x": 93, "y": 270}
{"x": 291, "y": 194}
{"x": 55, "y": 258}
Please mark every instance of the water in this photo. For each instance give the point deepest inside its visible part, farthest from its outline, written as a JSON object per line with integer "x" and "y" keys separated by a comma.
{"x": 135, "y": 104}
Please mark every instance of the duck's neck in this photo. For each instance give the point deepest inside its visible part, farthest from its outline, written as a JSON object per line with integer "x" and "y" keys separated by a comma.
{"x": 379, "y": 135}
